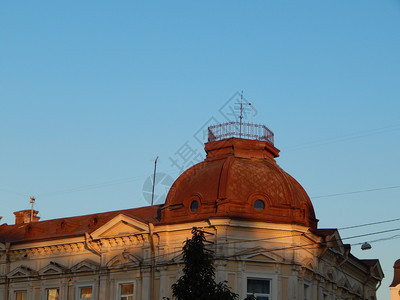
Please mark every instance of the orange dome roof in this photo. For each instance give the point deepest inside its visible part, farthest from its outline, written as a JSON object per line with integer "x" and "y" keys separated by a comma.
{"x": 239, "y": 179}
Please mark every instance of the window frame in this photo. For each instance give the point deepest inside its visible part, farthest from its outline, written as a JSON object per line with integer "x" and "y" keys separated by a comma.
{"x": 79, "y": 289}
{"x": 119, "y": 290}
{"x": 20, "y": 291}
{"x": 53, "y": 288}
{"x": 268, "y": 295}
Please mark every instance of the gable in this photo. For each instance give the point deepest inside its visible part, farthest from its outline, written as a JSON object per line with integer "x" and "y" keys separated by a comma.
{"x": 124, "y": 259}
{"x": 179, "y": 257}
{"x": 120, "y": 225}
{"x": 85, "y": 266}
{"x": 344, "y": 283}
{"x": 21, "y": 271}
{"x": 52, "y": 268}
{"x": 308, "y": 263}
{"x": 258, "y": 253}
{"x": 376, "y": 270}
{"x": 335, "y": 242}
{"x": 260, "y": 257}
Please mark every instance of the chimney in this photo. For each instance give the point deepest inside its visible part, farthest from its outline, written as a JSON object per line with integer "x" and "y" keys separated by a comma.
{"x": 24, "y": 216}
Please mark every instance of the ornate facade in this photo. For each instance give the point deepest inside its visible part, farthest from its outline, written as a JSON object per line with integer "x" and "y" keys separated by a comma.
{"x": 259, "y": 219}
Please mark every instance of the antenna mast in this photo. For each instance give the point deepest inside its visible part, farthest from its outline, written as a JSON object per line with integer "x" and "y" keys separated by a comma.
{"x": 252, "y": 112}
{"x": 241, "y": 114}
{"x": 154, "y": 180}
{"x": 32, "y": 201}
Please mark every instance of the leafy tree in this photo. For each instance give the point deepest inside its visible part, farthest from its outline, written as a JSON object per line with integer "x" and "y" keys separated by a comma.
{"x": 198, "y": 281}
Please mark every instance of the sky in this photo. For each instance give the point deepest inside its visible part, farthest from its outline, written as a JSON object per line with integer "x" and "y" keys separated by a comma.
{"x": 91, "y": 92}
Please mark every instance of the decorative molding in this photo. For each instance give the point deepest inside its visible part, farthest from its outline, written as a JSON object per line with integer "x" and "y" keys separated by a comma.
{"x": 51, "y": 250}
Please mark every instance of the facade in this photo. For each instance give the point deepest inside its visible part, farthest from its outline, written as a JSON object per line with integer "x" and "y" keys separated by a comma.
{"x": 259, "y": 219}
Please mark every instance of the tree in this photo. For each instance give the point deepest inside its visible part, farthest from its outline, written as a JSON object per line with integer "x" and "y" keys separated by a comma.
{"x": 198, "y": 281}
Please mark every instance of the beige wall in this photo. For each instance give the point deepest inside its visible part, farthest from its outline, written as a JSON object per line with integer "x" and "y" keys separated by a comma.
{"x": 395, "y": 293}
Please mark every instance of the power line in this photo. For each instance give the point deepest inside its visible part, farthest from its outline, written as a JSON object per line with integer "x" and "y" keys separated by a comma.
{"x": 357, "y": 192}
{"x": 87, "y": 186}
{"x": 343, "y": 228}
{"x": 13, "y": 192}
{"x": 304, "y": 233}
{"x": 351, "y": 136}
{"x": 94, "y": 186}
{"x": 380, "y": 240}
{"x": 371, "y": 233}
{"x": 369, "y": 224}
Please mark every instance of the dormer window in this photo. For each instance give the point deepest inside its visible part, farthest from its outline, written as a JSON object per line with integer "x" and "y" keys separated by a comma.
{"x": 194, "y": 206}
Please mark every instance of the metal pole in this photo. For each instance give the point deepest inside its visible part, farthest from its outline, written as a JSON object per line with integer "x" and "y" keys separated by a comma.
{"x": 32, "y": 202}
{"x": 252, "y": 125}
{"x": 241, "y": 117}
{"x": 154, "y": 180}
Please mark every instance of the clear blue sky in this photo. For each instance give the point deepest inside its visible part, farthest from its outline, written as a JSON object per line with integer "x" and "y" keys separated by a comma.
{"x": 92, "y": 91}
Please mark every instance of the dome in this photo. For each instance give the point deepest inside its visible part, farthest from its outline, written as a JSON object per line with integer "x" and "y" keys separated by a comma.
{"x": 397, "y": 264}
{"x": 239, "y": 179}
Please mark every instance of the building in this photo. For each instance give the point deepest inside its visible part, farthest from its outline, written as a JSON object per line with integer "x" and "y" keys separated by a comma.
{"x": 395, "y": 285}
{"x": 259, "y": 218}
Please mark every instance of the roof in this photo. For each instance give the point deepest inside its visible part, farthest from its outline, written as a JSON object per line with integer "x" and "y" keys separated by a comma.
{"x": 71, "y": 226}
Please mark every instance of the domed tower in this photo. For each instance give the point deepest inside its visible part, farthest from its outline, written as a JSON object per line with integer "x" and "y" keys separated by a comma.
{"x": 239, "y": 179}
{"x": 395, "y": 285}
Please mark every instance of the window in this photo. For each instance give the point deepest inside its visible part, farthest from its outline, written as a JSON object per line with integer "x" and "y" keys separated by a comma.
{"x": 259, "y": 205}
{"x": 53, "y": 294}
{"x": 194, "y": 206}
{"x": 126, "y": 291}
{"x": 260, "y": 288}
{"x": 85, "y": 293}
{"x": 20, "y": 295}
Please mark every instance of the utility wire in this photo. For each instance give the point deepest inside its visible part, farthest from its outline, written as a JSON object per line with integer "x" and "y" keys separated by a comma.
{"x": 94, "y": 186}
{"x": 13, "y": 192}
{"x": 380, "y": 240}
{"x": 351, "y": 136}
{"x": 304, "y": 234}
{"x": 89, "y": 186}
{"x": 357, "y": 192}
{"x": 371, "y": 233}
{"x": 369, "y": 224}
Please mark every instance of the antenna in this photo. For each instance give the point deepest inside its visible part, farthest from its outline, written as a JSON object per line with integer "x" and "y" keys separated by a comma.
{"x": 252, "y": 111}
{"x": 154, "y": 180}
{"x": 241, "y": 115}
{"x": 32, "y": 202}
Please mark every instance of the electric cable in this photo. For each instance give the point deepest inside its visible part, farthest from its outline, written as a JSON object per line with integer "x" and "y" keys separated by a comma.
{"x": 350, "y": 136}
{"x": 356, "y": 192}
{"x": 369, "y": 224}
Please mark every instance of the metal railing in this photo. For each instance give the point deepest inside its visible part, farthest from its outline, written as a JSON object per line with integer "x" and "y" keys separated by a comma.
{"x": 240, "y": 130}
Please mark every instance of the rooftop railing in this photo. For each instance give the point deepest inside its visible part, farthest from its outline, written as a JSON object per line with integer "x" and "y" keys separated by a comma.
{"x": 240, "y": 130}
